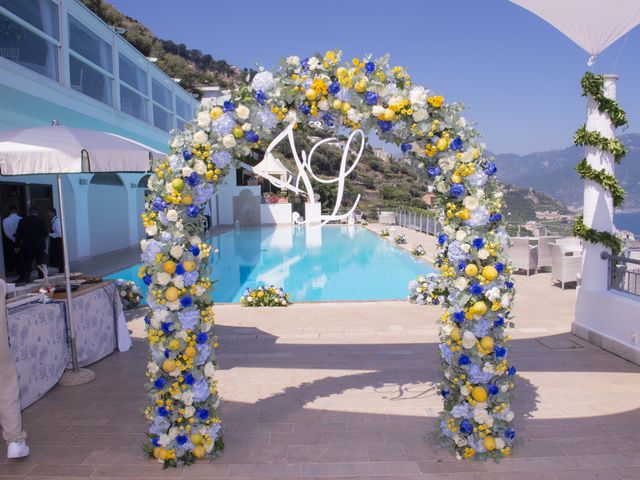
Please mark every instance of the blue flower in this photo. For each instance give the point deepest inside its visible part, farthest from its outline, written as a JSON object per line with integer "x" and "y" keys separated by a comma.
{"x": 159, "y": 204}
{"x": 188, "y": 379}
{"x": 167, "y": 353}
{"x": 384, "y": 125}
{"x": 466, "y": 427}
{"x": 193, "y": 210}
{"x": 193, "y": 179}
{"x": 195, "y": 251}
{"x": 512, "y": 371}
{"x": 434, "y": 171}
{"x": 334, "y": 88}
{"x": 500, "y": 351}
{"x": 186, "y": 154}
{"x": 186, "y": 302}
{"x": 179, "y": 269}
{"x": 328, "y": 119}
{"x": 442, "y": 238}
{"x": 509, "y": 285}
{"x": 458, "y": 317}
{"x": 475, "y": 288}
{"x": 493, "y": 389}
{"x": 464, "y": 360}
{"x": 202, "y": 413}
{"x": 478, "y": 243}
{"x": 370, "y": 66}
{"x": 456, "y": 144}
{"x": 202, "y": 338}
{"x": 147, "y": 279}
{"x": 444, "y": 393}
{"x": 457, "y": 190}
{"x": 251, "y": 136}
{"x": 147, "y": 320}
{"x": 371, "y": 98}
{"x": 228, "y": 106}
{"x": 181, "y": 439}
{"x": 304, "y": 63}
{"x": 304, "y": 108}
{"x": 462, "y": 266}
{"x": 405, "y": 147}
{"x": 510, "y": 433}
{"x": 498, "y": 322}
{"x": 163, "y": 412}
{"x": 260, "y": 97}
{"x": 499, "y": 267}
{"x": 155, "y": 441}
{"x": 490, "y": 169}
{"x": 166, "y": 327}
{"x": 496, "y": 217}
{"x": 159, "y": 383}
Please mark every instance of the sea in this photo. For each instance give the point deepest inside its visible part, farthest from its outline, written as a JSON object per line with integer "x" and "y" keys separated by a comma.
{"x": 628, "y": 221}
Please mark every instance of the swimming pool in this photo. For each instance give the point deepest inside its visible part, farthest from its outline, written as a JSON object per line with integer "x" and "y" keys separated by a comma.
{"x": 312, "y": 264}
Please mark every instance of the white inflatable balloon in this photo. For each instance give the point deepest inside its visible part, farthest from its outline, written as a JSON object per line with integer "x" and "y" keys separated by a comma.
{"x": 592, "y": 24}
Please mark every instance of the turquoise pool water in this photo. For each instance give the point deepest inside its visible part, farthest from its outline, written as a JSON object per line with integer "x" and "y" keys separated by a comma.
{"x": 312, "y": 264}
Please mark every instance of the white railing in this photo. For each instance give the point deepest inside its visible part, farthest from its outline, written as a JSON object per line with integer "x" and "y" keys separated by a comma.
{"x": 419, "y": 222}
{"x": 624, "y": 273}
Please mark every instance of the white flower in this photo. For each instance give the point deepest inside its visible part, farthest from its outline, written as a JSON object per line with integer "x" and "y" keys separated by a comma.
{"x": 464, "y": 390}
{"x": 420, "y": 114}
{"x": 263, "y": 81}
{"x": 323, "y": 105}
{"x": 151, "y": 230}
{"x": 459, "y": 440}
{"x": 488, "y": 368}
{"x": 461, "y": 283}
{"x": 209, "y": 370}
{"x": 504, "y": 387}
{"x": 163, "y": 278}
{"x": 449, "y": 231}
{"x": 492, "y": 294}
{"x": 176, "y": 142}
{"x": 178, "y": 281}
{"x": 354, "y": 115}
{"x": 172, "y": 215}
{"x": 200, "y": 167}
{"x": 447, "y": 163}
{"x": 470, "y": 202}
{"x": 164, "y": 440}
{"x": 246, "y": 127}
{"x": 187, "y": 171}
{"x": 462, "y": 122}
{"x": 509, "y": 416}
{"x": 195, "y": 240}
{"x": 204, "y": 118}
{"x": 173, "y": 306}
{"x": 506, "y": 300}
{"x": 152, "y": 368}
{"x": 483, "y": 254}
{"x": 314, "y": 63}
{"x": 418, "y": 96}
{"x": 468, "y": 340}
{"x": 465, "y": 247}
{"x": 293, "y": 60}
{"x": 377, "y": 110}
{"x": 199, "y": 290}
{"x": 441, "y": 187}
{"x": 176, "y": 251}
{"x": 229, "y": 141}
{"x": 189, "y": 411}
{"x": 200, "y": 136}
{"x": 461, "y": 235}
{"x": 242, "y": 112}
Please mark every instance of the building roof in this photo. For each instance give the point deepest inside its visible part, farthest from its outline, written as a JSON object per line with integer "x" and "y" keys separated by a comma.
{"x": 272, "y": 166}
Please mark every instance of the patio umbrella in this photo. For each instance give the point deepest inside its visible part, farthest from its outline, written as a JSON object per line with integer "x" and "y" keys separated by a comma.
{"x": 60, "y": 151}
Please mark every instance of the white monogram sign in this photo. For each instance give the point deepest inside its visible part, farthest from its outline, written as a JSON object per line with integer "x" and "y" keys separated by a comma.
{"x": 305, "y": 171}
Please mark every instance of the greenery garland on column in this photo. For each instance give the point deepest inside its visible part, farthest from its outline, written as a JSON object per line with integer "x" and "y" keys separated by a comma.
{"x": 593, "y": 85}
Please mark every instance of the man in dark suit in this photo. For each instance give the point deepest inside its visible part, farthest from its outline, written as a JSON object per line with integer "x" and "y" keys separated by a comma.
{"x": 31, "y": 239}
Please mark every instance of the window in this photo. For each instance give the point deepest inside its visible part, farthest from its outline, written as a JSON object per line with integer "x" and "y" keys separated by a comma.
{"x": 162, "y": 118}
{"x": 90, "y": 81}
{"x": 89, "y": 45}
{"x": 42, "y": 14}
{"x": 133, "y": 75}
{"x": 24, "y": 47}
{"x": 183, "y": 109}
{"x": 180, "y": 123}
{"x": 133, "y": 103}
{"x": 162, "y": 94}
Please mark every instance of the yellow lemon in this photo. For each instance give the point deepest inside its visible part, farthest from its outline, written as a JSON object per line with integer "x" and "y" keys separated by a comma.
{"x": 345, "y": 107}
{"x": 216, "y": 112}
{"x": 389, "y": 114}
{"x": 158, "y": 452}
{"x": 479, "y": 308}
{"x": 337, "y": 104}
{"x": 489, "y": 443}
{"x": 455, "y": 178}
{"x": 169, "y": 365}
{"x": 341, "y": 71}
{"x": 237, "y": 132}
{"x": 199, "y": 451}
{"x": 455, "y": 334}
{"x": 190, "y": 351}
{"x": 471, "y": 270}
{"x": 189, "y": 266}
{"x": 171, "y": 294}
{"x": 479, "y": 394}
{"x": 442, "y": 144}
{"x": 169, "y": 266}
{"x": 487, "y": 343}
{"x": 174, "y": 344}
{"x": 196, "y": 439}
{"x": 489, "y": 272}
{"x": 187, "y": 199}
{"x": 177, "y": 184}
{"x": 311, "y": 94}
{"x": 360, "y": 86}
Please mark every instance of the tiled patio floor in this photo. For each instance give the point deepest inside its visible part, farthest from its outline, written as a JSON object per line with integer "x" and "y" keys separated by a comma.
{"x": 346, "y": 391}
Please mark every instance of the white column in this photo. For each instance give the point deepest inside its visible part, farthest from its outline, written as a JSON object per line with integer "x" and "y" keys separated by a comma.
{"x": 598, "y": 204}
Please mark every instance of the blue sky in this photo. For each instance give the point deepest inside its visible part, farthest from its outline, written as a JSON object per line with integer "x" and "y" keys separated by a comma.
{"x": 518, "y": 76}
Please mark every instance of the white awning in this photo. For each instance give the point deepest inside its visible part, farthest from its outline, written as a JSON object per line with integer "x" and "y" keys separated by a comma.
{"x": 272, "y": 166}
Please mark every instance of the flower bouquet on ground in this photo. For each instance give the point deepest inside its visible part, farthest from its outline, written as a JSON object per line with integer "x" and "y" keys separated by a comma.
{"x": 265, "y": 297}
{"x": 129, "y": 293}
{"x": 418, "y": 250}
{"x": 424, "y": 290}
{"x": 384, "y": 232}
{"x": 364, "y": 223}
{"x": 400, "y": 239}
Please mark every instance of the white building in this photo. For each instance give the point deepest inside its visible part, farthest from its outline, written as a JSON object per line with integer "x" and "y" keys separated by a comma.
{"x": 60, "y": 61}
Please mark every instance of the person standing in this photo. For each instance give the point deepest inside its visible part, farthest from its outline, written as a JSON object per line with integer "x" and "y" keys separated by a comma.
{"x": 9, "y": 228}
{"x": 31, "y": 239}
{"x": 10, "y": 409}
{"x": 56, "y": 255}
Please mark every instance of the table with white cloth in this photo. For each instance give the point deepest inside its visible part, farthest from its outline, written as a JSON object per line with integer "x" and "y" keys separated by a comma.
{"x": 39, "y": 340}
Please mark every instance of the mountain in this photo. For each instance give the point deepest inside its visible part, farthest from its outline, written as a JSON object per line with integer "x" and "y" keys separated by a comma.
{"x": 190, "y": 65}
{"x": 553, "y": 172}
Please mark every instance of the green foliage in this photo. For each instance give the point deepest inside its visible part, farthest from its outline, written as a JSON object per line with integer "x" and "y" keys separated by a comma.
{"x": 584, "y": 137}
{"x": 601, "y": 177}
{"x": 593, "y": 85}
{"x": 593, "y": 236}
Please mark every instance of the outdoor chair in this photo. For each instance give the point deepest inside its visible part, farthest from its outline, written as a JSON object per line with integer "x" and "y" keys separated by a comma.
{"x": 565, "y": 265}
{"x": 570, "y": 243}
{"x": 544, "y": 255}
{"x": 523, "y": 255}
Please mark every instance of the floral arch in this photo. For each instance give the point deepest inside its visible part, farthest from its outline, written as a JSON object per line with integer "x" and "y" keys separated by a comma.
{"x": 474, "y": 285}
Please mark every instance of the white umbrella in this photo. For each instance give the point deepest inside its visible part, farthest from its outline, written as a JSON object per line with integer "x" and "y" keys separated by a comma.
{"x": 60, "y": 150}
